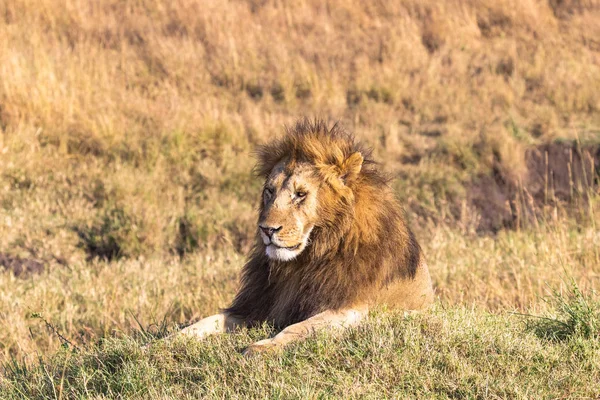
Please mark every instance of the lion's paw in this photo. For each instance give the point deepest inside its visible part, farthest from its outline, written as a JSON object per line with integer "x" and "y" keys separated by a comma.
{"x": 262, "y": 346}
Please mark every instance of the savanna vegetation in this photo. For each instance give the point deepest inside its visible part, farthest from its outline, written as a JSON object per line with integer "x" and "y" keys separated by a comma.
{"x": 127, "y": 201}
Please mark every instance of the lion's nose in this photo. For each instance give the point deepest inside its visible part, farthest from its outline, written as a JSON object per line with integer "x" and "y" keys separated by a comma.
{"x": 269, "y": 231}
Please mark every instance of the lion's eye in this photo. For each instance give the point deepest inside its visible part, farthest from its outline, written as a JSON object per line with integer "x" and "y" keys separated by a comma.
{"x": 300, "y": 194}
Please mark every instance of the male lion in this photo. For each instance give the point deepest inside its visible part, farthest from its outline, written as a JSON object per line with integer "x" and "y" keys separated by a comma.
{"x": 332, "y": 242}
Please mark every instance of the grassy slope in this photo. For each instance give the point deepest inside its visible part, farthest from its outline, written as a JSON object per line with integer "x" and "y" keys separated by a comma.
{"x": 442, "y": 353}
{"x": 126, "y": 130}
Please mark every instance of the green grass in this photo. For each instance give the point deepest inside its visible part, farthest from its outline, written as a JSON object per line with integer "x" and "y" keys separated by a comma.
{"x": 442, "y": 353}
{"x": 577, "y": 315}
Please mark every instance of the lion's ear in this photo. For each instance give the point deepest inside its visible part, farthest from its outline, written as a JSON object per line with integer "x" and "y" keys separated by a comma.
{"x": 351, "y": 167}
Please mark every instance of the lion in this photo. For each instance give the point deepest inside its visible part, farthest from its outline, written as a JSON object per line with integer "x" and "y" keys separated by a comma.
{"x": 332, "y": 242}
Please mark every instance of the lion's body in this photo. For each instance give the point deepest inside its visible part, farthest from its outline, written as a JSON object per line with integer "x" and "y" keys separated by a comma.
{"x": 334, "y": 238}
{"x": 390, "y": 271}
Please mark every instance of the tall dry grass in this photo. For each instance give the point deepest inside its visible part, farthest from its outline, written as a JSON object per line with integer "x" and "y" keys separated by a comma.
{"x": 516, "y": 271}
{"x": 150, "y": 109}
{"x": 127, "y": 128}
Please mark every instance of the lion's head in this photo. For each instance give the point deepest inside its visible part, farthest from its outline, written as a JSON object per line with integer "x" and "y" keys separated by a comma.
{"x": 309, "y": 179}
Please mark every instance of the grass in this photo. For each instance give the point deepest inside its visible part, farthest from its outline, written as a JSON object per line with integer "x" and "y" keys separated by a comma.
{"x": 578, "y": 316}
{"x": 474, "y": 342}
{"x": 126, "y": 133}
{"x": 153, "y": 109}
{"x": 442, "y": 353}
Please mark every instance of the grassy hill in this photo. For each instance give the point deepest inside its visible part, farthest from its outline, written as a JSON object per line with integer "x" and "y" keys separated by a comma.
{"x": 452, "y": 353}
{"x": 127, "y": 201}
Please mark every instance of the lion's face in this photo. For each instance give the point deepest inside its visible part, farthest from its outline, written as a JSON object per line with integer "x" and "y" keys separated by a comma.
{"x": 289, "y": 210}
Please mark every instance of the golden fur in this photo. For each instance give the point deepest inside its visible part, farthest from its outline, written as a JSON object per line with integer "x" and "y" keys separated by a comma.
{"x": 360, "y": 249}
{"x": 332, "y": 242}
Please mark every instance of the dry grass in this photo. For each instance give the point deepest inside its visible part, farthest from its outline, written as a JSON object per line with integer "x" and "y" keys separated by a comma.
{"x": 515, "y": 271}
{"x": 126, "y": 130}
{"x": 153, "y": 108}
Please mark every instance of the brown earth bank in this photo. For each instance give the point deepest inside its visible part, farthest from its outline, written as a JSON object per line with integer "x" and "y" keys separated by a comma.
{"x": 558, "y": 175}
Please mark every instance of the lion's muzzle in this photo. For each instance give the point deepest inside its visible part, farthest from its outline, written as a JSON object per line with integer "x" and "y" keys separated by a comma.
{"x": 277, "y": 247}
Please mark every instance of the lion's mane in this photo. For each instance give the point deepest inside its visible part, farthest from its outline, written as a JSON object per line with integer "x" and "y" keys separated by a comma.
{"x": 360, "y": 244}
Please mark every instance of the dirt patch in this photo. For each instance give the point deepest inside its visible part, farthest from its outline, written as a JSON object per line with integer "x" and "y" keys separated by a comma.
{"x": 21, "y": 267}
{"x": 558, "y": 174}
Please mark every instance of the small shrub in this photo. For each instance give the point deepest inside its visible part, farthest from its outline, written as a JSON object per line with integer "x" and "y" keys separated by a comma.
{"x": 254, "y": 90}
{"x": 112, "y": 236}
{"x": 189, "y": 234}
{"x": 303, "y": 91}
{"x": 578, "y": 316}
{"x": 278, "y": 93}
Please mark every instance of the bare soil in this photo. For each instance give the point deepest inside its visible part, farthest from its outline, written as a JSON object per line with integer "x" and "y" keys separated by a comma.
{"x": 558, "y": 174}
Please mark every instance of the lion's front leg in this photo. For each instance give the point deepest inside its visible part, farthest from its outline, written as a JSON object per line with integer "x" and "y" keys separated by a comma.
{"x": 327, "y": 319}
{"x": 218, "y": 323}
